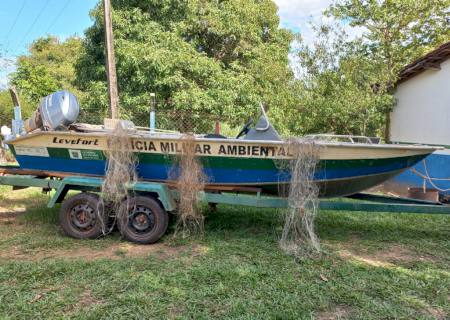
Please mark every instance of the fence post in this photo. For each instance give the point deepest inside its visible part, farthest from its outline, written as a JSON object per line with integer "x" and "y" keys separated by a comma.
{"x": 17, "y": 123}
{"x": 217, "y": 128}
{"x": 152, "y": 112}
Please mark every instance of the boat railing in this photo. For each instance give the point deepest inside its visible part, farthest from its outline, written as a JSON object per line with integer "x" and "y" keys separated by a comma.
{"x": 156, "y": 130}
{"x": 84, "y": 127}
{"x": 345, "y": 138}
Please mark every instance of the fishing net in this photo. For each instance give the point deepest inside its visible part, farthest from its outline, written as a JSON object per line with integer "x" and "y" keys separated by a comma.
{"x": 190, "y": 180}
{"x": 120, "y": 173}
{"x": 2, "y": 155}
{"x": 298, "y": 237}
{"x": 6, "y": 156}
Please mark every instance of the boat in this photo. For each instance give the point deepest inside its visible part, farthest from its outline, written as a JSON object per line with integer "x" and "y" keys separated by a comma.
{"x": 256, "y": 158}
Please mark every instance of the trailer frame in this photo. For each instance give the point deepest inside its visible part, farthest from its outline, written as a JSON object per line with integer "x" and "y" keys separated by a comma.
{"x": 167, "y": 196}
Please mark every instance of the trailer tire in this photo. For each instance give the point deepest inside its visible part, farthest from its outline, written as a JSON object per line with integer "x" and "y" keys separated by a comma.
{"x": 142, "y": 220}
{"x": 79, "y": 216}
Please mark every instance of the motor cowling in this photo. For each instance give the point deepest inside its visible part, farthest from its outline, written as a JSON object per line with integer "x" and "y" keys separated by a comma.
{"x": 55, "y": 112}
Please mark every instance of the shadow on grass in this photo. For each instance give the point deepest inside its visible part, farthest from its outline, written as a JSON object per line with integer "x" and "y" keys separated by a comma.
{"x": 245, "y": 222}
{"x": 335, "y": 225}
{"x": 331, "y": 225}
{"x": 238, "y": 223}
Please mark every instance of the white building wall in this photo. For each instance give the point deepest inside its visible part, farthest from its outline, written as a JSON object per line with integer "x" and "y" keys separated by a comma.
{"x": 422, "y": 113}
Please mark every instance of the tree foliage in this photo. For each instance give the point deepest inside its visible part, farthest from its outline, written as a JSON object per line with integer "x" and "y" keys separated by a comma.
{"x": 48, "y": 67}
{"x": 215, "y": 57}
{"x": 224, "y": 58}
{"x": 346, "y": 84}
{"x": 397, "y": 31}
{"x": 336, "y": 87}
{"x": 6, "y": 108}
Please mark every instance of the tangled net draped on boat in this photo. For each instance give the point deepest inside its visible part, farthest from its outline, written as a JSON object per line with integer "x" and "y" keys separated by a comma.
{"x": 190, "y": 180}
{"x": 298, "y": 237}
{"x": 121, "y": 172}
{"x": 2, "y": 155}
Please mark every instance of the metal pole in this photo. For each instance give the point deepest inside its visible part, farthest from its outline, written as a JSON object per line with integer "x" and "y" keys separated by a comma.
{"x": 110, "y": 62}
{"x": 14, "y": 96}
{"x": 17, "y": 123}
{"x": 152, "y": 112}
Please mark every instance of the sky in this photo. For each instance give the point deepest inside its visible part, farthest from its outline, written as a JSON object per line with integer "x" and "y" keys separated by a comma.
{"x": 22, "y": 21}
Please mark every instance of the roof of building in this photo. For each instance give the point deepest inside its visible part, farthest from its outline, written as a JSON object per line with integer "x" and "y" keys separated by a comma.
{"x": 431, "y": 60}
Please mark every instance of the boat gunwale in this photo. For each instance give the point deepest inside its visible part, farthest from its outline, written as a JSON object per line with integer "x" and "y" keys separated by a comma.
{"x": 159, "y": 136}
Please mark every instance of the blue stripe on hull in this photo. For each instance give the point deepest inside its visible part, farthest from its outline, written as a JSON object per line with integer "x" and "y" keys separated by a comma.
{"x": 438, "y": 166}
{"x": 340, "y": 173}
{"x": 95, "y": 167}
{"x": 216, "y": 175}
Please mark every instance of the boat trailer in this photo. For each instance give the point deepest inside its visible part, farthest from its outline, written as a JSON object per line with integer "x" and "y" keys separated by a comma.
{"x": 161, "y": 199}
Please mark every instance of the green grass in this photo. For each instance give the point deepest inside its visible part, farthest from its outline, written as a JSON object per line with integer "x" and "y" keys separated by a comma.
{"x": 235, "y": 271}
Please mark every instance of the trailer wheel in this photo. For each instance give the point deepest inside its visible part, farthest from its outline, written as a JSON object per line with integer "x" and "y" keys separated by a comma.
{"x": 142, "y": 220}
{"x": 79, "y": 216}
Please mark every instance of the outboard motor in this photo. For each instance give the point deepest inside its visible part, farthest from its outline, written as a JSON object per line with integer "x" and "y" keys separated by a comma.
{"x": 55, "y": 112}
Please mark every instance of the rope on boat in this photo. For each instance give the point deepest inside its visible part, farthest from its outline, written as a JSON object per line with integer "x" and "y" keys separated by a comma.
{"x": 426, "y": 177}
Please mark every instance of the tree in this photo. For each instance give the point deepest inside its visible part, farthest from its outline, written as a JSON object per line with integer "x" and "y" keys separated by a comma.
{"x": 206, "y": 57}
{"x": 395, "y": 31}
{"x": 48, "y": 67}
{"x": 6, "y": 108}
{"x": 346, "y": 84}
{"x": 335, "y": 87}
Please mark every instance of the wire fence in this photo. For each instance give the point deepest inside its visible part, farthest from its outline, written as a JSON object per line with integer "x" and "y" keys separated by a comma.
{"x": 176, "y": 120}
{"x": 183, "y": 121}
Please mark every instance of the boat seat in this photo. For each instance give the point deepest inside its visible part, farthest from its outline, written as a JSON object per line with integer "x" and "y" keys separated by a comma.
{"x": 85, "y": 127}
{"x": 214, "y": 136}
